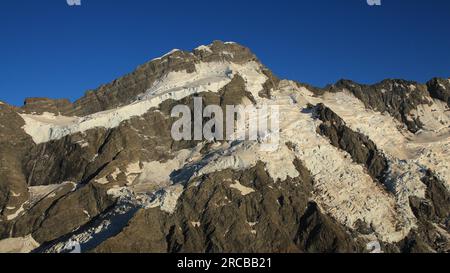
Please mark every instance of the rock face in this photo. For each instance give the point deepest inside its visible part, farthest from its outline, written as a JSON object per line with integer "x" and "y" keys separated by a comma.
{"x": 440, "y": 89}
{"x": 125, "y": 90}
{"x": 359, "y": 146}
{"x": 269, "y": 219}
{"x": 14, "y": 146}
{"x": 354, "y": 164}
{"x": 41, "y": 105}
{"x": 397, "y": 97}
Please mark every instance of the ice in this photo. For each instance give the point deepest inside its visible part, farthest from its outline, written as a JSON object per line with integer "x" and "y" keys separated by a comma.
{"x": 204, "y": 48}
{"x": 167, "y": 198}
{"x": 243, "y": 189}
{"x": 209, "y": 77}
{"x": 166, "y": 55}
{"x": 342, "y": 188}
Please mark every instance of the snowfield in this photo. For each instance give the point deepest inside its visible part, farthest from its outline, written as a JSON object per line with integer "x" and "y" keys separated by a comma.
{"x": 209, "y": 77}
{"x": 343, "y": 189}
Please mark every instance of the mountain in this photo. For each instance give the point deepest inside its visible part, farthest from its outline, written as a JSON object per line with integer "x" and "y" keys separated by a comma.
{"x": 355, "y": 165}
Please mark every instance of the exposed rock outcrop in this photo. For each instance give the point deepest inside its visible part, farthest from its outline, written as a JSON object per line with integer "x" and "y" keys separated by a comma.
{"x": 359, "y": 146}
{"x": 215, "y": 217}
{"x": 106, "y": 171}
{"x": 440, "y": 89}
{"x": 397, "y": 97}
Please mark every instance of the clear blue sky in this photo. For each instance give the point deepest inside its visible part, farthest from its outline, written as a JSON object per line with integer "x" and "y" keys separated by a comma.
{"x": 48, "y": 49}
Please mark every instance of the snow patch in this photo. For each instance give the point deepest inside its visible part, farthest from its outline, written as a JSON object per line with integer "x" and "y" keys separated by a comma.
{"x": 204, "y": 48}
{"x": 243, "y": 189}
{"x": 83, "y": 144}
{"x": 156, "y": 175}
{"x": 434, "y": 117}
{"x": 208, "y": 77}
{"x": 17, "y": 213}
{"x": 229, "y": 54}
{"x": 37, "y": 193}
{"x": 279, "y": 164}
{"x": 167, "y": 198}
{"x": 13, "y": 194}
{"x": 166, "y": 55}
{"x": 87, "y": 214}
{"x": 18, "y": 245}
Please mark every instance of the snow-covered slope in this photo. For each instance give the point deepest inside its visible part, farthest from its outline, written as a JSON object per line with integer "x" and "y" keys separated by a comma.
{"x": 208, "y": 77}
{"x": 124, "y": 175}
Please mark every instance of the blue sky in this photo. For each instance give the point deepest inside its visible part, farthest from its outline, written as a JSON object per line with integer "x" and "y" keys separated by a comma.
{"x": 49, "y": 49}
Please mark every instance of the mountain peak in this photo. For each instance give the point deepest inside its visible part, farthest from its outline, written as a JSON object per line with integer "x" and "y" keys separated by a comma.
{"x": 362, "y": 155}
{"x": 126, "y": 89}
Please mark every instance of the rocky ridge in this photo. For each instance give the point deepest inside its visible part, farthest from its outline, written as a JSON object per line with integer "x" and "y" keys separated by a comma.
{"x": 356, "y": 164}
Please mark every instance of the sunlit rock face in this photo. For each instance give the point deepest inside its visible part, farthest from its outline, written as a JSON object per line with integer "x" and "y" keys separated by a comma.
{"x": 355, "y": 164}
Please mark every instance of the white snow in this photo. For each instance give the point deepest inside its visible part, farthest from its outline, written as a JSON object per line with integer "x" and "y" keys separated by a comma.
{"x": 87, "y": 214}
{"x": 83, "y": 144}
{"x": 248, "y": 155}
{"x": 118, "y": 192}
{"x": 428, "y": 149}
{"x": 408, "y": 155}
{"x": 226, "y": 53}
{"x": 435, "y": 117}
{"x": 17, "y": 213}
{"x": 131, "y": 172}
{"x": 342, "y": 188}
{"x": 156, "y": 174}
{"x": 405, "y": 181}
{"x": 209, "y": 77}
{"x": 381, "y": 128}
{"x": 13, "y": 194}
{"x": 114, "y": 174}
{"x": 167, "y": 199}
{"x": 204, "y": 48}
{"x": 94, "y": 158}
{"x": 243, "y": 189}
{"x": 164, "y": 198}
{"x": 151, "y": 185}
{"x": 37, "y": 193}
{"x": 18, "y": 245}
{"x": 103, "y": 180}
{"x": 166, "y": 55}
